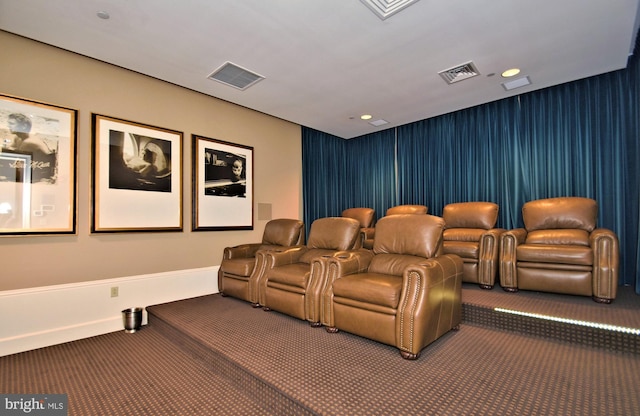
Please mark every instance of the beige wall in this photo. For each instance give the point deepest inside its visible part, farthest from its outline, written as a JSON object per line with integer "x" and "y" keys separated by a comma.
{"x": 39, "y": 72}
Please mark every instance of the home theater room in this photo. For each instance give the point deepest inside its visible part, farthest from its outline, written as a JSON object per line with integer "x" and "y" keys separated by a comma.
{"x": 320, "y": 207}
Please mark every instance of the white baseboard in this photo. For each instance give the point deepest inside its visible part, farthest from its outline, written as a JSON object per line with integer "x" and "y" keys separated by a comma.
{"x": 43, "y": 316}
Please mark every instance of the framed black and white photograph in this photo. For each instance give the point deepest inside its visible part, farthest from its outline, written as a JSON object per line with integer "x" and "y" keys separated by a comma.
{"x": 137, "y": 177}
{"x": 37, "y": 167}
{"x": 222, "y": 185}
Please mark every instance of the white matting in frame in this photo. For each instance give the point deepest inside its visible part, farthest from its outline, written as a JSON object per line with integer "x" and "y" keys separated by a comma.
{"x": 137, "y": 177}
{"x": 37, "y": 168}
{"x": 222, "y": 185}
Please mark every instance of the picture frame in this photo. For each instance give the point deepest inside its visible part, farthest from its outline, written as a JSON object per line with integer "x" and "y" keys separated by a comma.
{"x": 38, "y": 173}
{"x": 136, "y": 177}
{"x": 222, "y": 185}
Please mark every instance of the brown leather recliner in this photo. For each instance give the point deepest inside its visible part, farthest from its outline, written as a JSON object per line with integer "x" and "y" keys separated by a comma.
{"x": 241, "y": 265}
{"x": 288, "y": 284}
{"x": 366, "y": 216}
{"x": 561, "y": 250}
{"x": 369, "y": 233}
{"x": 470, "y": 233}
{"x": 407, "y": 209}
{"x": 401, "y": 293}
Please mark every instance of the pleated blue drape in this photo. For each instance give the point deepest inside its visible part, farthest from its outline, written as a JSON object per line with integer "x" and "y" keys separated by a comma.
{"x": 324, "y": 163}
{"x": 339, "y": 174}
{"x": 577, "y": 139}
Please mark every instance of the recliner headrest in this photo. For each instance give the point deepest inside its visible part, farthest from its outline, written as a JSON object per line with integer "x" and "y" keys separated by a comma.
{"x": 478, "y": 214}
{"x": 283, "y": 232}
{"x": 334, "y": 233}
{"x": 407, "y": 209}
{"x": 415, "y": 235}
{"x": 364, "y": 215}
{"x": 558, "y": 213}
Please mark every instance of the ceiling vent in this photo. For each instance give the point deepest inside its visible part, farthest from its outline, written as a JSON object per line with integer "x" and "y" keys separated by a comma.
{"x": 459, "y": 73}
{"x": 386, "y": 8}
{"x": 235, "y": 76}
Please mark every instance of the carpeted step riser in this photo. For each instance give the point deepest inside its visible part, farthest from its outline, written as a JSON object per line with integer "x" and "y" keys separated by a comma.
{"x": 263, "y": 394}
{"x": 551, "y": 330}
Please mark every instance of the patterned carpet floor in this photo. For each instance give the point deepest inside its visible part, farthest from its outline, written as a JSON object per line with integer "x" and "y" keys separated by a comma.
{"x": 218, "y": 356}
{"x": 125, "y": 374}
{"x": 472, "y": 371}
{"x": 623, "y": 311}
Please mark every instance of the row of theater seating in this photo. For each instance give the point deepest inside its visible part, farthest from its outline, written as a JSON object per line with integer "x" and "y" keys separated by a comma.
{"x": 405, "y": 290}
{"x": 559, "y": 250}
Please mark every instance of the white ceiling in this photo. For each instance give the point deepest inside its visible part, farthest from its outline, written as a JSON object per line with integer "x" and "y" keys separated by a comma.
{"x": 326, "y": 62}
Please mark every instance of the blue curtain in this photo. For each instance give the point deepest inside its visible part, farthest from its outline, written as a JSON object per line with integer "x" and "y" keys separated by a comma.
{"x": 577, "y": 139}
{"x": 371, "y": 172}
{"x": 324, "y": 189}
{"x": 340, "y": 174}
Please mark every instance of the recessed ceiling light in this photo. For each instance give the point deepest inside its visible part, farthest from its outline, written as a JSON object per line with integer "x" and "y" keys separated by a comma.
{"x": 365, "y": 117}
{"x": 510, "y": 72}
{"x": 378, "y": 123}
{"x": 103, "y": 15}
{"x": 516, "y": 83}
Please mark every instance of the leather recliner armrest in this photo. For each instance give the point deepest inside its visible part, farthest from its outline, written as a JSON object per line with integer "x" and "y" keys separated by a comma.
{"x": 430, "y": 302}
{"x": 489, "y": 255}
{"x": 240, "y": 251}
{"x": 509, "y": 241}
{"x": 334, "y": 267}
{"x": 257, "y": 277}
{"x": 271, "y": 259}
{"x": 606, "y": 261}
{"x": 287, "y": 255}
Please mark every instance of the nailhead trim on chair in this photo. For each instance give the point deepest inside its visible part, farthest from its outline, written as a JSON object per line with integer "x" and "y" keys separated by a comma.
{"x": 402, "y": 346}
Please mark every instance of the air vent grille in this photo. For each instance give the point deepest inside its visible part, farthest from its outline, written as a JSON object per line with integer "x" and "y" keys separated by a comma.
{"x": 235, "y": 76}
{"x": 459, "y": 73}
{"x": 386, "y": 8}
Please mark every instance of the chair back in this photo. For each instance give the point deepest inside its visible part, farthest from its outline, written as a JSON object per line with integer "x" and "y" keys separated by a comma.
{"x": 405, "y": 239}
{"x": 560, "y": 213}
{"x": 331, "y": 234}
{"x": 334, "y": 233}
{"x": 481, "y": 215}
{"x": 283, "y": 232}
{"x": 364, "y": 215}
{"x": 408, "y": 234}
{"x": 407, "y": 209}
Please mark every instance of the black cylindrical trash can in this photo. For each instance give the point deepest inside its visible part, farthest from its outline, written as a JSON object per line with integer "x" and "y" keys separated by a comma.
{"x": 132, "y": 319}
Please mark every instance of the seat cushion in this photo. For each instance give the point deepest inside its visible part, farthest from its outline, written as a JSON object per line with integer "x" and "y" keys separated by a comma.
{"x": 392, "y": 264}
{"x": 464, "y": 249}
{"x": 310, "y": 255}
{"x": 463, "y": 234}
{"x": 543, "y": 253}
{"x": 239, "y": 267}
{"x": 296, "y": 275}
{"x": 376, "y": 288}
{"x": 574, "y": 237}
